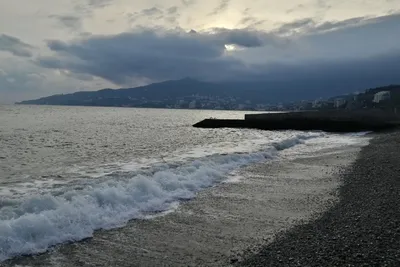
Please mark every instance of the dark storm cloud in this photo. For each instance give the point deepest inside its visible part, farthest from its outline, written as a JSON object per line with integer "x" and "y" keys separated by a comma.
{"x": 241, "y": 37}
{"x": 369, "y": 51}
{"x": 365, "y": 38}
{"x": 380, "y": 67}
{"x": 156, "y": 56}
{"x": 329, "y": 78}
{"x": 15, "y": 46}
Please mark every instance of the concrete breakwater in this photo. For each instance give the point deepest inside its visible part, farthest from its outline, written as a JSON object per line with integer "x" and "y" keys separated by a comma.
{"x": 329, "y": 121}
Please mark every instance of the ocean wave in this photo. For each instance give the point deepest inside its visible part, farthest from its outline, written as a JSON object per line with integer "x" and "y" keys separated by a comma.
{"x": 43, "y": 221}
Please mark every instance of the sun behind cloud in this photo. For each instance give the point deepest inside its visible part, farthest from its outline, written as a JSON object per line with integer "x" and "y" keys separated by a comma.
{"x": 121, "y": 48}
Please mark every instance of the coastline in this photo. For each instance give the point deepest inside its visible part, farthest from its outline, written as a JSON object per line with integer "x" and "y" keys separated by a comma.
{"x": 220, "y": 223}
{"x": 362, "y": 229}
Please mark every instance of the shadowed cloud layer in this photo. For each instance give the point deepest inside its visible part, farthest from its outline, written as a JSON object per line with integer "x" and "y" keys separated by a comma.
{"x": 93, "y": 44}
{"x": 324, "y": 50}
{"x": 15, "y": 46}
{"x": 154, "y": 55}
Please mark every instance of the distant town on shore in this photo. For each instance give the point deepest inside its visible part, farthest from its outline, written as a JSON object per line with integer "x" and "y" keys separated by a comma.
{"x": 192, "y": 94}
{"x": 386, "y": 98}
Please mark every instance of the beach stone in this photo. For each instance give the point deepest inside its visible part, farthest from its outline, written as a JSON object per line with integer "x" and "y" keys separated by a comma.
{"x": 362, "y": 229}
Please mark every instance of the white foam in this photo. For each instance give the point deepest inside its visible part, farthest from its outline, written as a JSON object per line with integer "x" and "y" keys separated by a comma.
{"x": 307, "y": 146}
{"x": 37, "y": 223}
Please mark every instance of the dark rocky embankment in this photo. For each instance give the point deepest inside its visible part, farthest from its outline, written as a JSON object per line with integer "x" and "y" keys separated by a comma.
{"x": 307, "y": 121}
{"x": 362, "y": 229}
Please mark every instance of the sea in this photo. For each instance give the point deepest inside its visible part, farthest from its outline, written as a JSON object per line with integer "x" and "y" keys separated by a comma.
{"x": 67, "y": 172}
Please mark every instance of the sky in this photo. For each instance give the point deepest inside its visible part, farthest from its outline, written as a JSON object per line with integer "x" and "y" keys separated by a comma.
{"x": 52, "y": 47}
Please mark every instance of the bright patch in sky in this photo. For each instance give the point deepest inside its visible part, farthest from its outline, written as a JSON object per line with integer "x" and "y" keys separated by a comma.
{"x": 230, "y": 47}
{"x": 62, "y": 46}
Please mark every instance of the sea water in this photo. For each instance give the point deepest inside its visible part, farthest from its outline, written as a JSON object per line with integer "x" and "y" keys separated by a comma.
{"x": 66, "y": 172}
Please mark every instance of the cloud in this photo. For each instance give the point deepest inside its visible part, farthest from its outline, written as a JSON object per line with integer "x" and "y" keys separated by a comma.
{"x": 148, "y": 54}
{"x": 154, "y": 11}
{"x": 21, "y": 80}
{"x": 99, "y": 3}
{"x": 223, "y": 5}
{"x": 323, "y": 4}
{"x": 188, "y": 3}
{"x": 295, "y": 8}
{"x": 242, "y": 37}
{"x": 336, "y": 51}
{"x": 330, "y": 78}
{"x": 333, "y": 25}
{"x": 312, "y": 26}
{"x": 317, "y": 34}
{"x": 15, "y": 46}
{"x": 172, "y": 10}
{"x": 73, "y": 23}
{"x": 86, "y": 8}
{"x": 296, "y": 26}
{"x": 250, "y": 21}
{"x": 149, "y": 15}
{"x": 18, "y": 84}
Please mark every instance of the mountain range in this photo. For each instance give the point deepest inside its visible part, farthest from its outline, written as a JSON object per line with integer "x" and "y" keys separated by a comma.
{"x": 184, "y": 91}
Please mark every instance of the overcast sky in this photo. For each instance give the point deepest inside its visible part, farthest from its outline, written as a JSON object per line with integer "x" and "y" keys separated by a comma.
{"x": 49, "y": 47}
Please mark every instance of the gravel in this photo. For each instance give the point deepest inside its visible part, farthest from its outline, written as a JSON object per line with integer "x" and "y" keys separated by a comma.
{"x": 362, "y": 229}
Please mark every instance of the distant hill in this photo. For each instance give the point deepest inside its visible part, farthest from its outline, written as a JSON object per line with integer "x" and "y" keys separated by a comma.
{"x": 180, "y": 93}
{"x": 169, "y": 90}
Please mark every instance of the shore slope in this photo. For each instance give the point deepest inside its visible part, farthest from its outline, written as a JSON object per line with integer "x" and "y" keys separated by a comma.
{"x": 221, "y": 222}
{"x": 363, "y": 229}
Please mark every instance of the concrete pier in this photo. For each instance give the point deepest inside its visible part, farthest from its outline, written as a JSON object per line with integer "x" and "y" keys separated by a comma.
{"x": 330, "y": 121}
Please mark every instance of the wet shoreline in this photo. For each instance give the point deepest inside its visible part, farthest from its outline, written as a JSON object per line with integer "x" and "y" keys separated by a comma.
{"x": 362, "y": 229}
{"x": 220, "y": 223}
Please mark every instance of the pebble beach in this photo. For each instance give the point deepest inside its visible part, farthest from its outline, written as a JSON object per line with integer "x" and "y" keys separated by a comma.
{"x": 362, "y": 229}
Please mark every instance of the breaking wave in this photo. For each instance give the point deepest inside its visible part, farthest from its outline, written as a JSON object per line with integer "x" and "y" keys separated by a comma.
{"x": 40, "y": 222}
